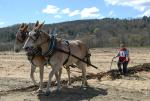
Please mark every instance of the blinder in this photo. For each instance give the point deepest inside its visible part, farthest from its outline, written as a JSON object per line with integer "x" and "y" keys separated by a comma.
{"x": 21, "y": 36}
{"x": 35, "y": 36}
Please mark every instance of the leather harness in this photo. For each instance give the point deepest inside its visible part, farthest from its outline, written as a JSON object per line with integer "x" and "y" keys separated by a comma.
{"x": 35, "y": 52}
{"x": 53, "y": 48}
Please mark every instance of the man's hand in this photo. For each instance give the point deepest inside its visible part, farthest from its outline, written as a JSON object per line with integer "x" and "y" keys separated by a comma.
{"x": 113, "y": 58}
{"x": 127, "y": 59}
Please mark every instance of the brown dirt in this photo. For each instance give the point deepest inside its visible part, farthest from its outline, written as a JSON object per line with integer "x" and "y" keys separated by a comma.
{"x": 104, "y": 84}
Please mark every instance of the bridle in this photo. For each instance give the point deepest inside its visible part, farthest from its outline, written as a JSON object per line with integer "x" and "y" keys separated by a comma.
{"x": 53, "y": 48}
{"x": 37, "y": 35}
{"x": 37, "y": 51}
{"x": 23, "y": 36}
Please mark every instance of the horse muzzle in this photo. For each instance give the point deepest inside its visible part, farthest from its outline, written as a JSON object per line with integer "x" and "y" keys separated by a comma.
{"x": 28, "y": 49}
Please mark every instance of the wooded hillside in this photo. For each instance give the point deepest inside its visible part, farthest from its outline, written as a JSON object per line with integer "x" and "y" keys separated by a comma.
{"x": 107, "y": 32}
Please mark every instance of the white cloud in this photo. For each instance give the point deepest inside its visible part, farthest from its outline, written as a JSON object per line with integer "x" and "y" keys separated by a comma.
{"x": 57, "y": 16}
{"x": 84, "y": 13}
{"x": 74, "y": 13}
{"x": 146, "y": 13}
{"x": 70, "y": 13}
{"x": 140, "y": 5}
{"x": 66, "y": 11}
{"x": 90, "y": 12}
{"x": 51, "y": 9}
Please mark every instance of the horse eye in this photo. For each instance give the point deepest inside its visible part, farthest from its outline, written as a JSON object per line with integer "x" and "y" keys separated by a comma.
{"x": 36, "y": 35}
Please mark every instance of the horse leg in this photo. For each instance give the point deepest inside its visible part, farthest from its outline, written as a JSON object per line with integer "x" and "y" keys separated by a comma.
{"x": 58, "y": 82}
{"x": 60, "y": 72}
{"x": 84, "y": 79}
{"x": 68, "y": 72}
{"x": 55, "y": 69}
{"x": 41, "y": 78}
{"x": 32, "y": 74}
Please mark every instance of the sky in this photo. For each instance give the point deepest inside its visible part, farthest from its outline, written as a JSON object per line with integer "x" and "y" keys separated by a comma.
{"x": 55, "y": 11}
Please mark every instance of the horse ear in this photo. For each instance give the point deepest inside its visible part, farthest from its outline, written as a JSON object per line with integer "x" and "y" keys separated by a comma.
{"x": 40, "y": 25}
{"x": 25, "y": 27}
{"x": 22, "y": 25}
{"x": 36, "y": 24}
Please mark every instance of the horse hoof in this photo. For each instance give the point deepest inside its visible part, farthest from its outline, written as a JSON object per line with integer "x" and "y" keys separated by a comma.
{"x": 69, "y": 83}
{"x": 70, "y": 86}
{"x": 36, "y": 84}
{"x": 47, "y": 93}
{"x": 83, "y": 87}
{"x": 39, "y": 91}
{"x": 84, "y": 84}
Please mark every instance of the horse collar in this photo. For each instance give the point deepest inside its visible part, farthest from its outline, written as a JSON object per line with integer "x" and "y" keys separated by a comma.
{"x": 35, "y": 52}
{"x": 52, "y": 46}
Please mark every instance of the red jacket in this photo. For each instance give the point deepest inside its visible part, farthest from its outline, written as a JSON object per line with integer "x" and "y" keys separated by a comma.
{"x": 123, "y": 54}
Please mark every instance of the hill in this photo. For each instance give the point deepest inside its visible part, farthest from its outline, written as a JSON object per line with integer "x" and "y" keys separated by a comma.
{"x": 107, "y": 32}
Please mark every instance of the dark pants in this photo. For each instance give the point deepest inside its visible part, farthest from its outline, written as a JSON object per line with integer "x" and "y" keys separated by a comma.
{"x": 125, "y": 64}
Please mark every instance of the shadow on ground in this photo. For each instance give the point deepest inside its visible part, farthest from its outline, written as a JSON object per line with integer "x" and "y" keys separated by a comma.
{"x": 78, "y": 93}
{"x": 74, "y": 94}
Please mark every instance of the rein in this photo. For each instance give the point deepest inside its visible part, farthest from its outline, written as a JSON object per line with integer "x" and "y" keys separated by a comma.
{"x": 53, "y": 47}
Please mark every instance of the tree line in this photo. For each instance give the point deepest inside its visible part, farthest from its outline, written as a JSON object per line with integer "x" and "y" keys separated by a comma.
{"x": 107, "y": 32}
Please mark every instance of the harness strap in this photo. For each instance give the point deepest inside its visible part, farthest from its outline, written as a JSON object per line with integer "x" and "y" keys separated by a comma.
{"x": 31, "y": 56}
{"x": 23, "y": 36}
{"x": 76, "y": 57}
{"x": 67, "y": 42}
{"x": 52, "y": 46}
{"x": 51, "y": 50}
{"x": 20, "y": 40}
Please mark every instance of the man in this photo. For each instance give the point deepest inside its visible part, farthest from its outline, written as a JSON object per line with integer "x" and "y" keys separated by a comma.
{"x": 123, "y": 56}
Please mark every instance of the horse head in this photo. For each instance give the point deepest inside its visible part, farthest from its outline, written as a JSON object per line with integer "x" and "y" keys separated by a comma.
{"x": 36, "y": 37}
{"x": 21, "y": 36}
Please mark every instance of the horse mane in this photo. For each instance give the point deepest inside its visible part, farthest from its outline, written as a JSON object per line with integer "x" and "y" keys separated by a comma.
{"x": 44, "y": 32}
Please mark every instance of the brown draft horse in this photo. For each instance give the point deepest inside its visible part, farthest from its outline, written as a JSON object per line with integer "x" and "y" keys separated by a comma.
{"x": 38, "y": 60}
{"x": 39, "y": 38}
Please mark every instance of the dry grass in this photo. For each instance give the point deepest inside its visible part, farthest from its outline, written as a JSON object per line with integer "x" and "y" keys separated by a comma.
{"x": 11, "y": 62}
{"x": 15, "y": 70}
{"x": 102, "y": 57}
